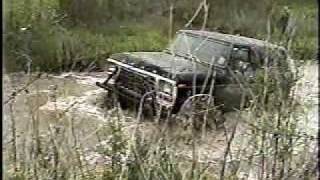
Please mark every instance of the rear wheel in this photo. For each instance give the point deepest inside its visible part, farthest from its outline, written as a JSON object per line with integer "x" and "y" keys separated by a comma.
{"x": 196, "y": 112}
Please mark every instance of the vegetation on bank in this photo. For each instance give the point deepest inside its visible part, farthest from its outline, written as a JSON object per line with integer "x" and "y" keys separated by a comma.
{"x": 53, "y": 34}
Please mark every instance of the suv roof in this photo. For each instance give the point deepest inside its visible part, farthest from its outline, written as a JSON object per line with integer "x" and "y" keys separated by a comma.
{"x": 235, "y": 39}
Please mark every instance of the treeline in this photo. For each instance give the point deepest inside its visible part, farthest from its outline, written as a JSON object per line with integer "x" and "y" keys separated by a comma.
{"x": 51, "y": 34}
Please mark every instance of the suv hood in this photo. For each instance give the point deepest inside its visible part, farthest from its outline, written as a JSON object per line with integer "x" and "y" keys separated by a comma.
{"x": 164, "y": 64}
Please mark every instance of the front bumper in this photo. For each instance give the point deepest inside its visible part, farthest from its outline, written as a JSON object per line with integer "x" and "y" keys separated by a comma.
{"x": 162, "y": 99}
{"x": 119, "y": 89}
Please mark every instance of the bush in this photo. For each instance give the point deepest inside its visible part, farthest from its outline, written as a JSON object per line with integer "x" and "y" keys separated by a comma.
{"x": 59, "y": 34}
{"x": 53, "y": 47}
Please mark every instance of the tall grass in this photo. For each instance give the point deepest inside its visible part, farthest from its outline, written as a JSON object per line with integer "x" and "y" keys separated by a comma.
{"x": 55, "y": 48}
{"x": 45, "y": 38}
{"x": 68, "y": 147}
{"x": 54, "y": 39}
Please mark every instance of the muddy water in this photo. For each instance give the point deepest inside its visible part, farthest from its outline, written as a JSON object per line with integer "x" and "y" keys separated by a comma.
{"x": 307, "y": 92}
{"x": 74, "y": 98}
{"x": 36, "y": 104}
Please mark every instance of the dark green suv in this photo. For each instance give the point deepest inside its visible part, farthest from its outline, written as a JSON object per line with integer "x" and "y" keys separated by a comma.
{"x": 197, "y": 62}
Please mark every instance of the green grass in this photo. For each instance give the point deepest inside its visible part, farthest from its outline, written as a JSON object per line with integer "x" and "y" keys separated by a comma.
{"x": 52, "y": 47}
{"x": 56, "y": 41}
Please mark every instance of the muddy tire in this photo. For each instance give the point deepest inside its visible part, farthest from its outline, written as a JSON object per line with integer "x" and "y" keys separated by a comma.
{"x": 194, "y": 114}
{"x": 124, "y": 103}
{"x": 148, "y": 111}
{"x": 162, "y": 114}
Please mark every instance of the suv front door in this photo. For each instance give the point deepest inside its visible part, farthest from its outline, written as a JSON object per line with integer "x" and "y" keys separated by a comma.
{"x": 241, "y": 72}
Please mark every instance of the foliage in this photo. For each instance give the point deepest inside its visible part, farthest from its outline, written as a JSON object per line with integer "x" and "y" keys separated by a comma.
{"x": 53, "y": 46}
{"x": 273, "y": 136}
{"x": 55, "y": 34}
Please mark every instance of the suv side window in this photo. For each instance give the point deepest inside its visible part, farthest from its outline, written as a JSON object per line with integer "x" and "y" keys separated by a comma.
{"x": 256, "y": 58}
{"x": 241, "y": 60}
{"x": 240, "y": 54}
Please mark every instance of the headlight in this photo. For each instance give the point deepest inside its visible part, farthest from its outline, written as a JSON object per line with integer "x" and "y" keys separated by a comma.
{"x": 166, "y": 87}
{"x": 112, "y": 69}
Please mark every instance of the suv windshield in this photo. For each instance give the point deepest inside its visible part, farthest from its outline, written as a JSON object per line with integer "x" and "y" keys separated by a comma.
{"x": 201, "y": 48}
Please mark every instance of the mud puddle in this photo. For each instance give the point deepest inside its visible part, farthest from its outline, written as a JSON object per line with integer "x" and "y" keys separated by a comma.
{"x": 74, "y": 97}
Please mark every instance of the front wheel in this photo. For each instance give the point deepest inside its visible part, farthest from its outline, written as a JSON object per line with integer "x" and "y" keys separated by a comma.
{"x": 123, "y": 100}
